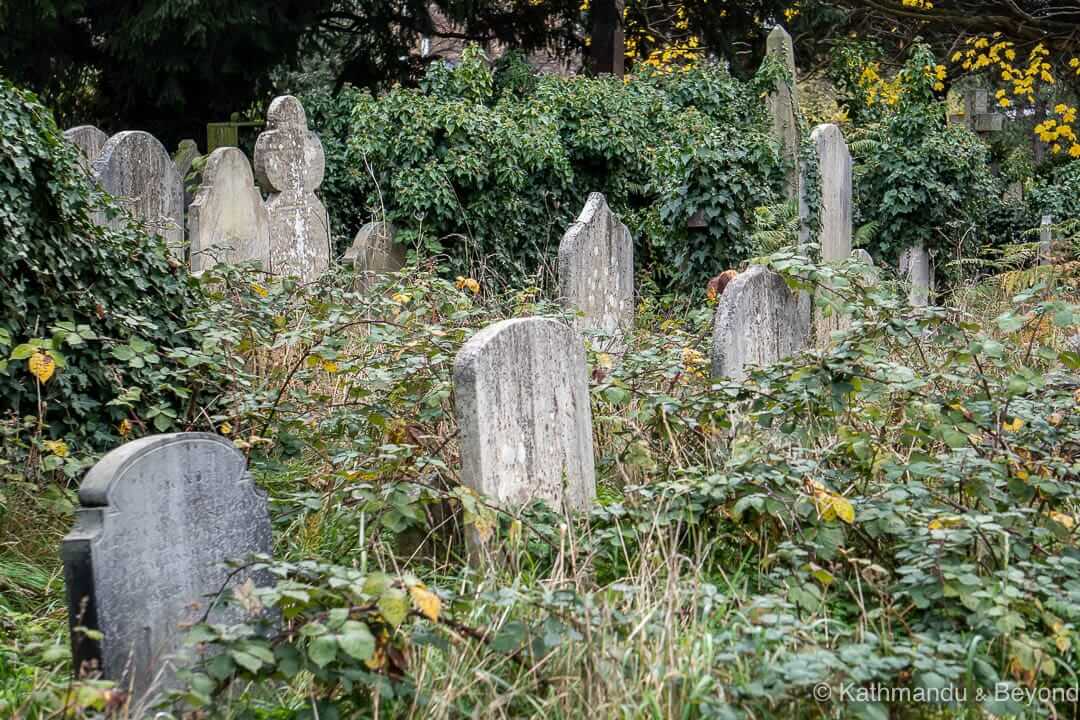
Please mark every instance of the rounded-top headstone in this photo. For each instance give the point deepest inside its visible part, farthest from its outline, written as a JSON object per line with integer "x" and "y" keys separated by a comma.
{"x": 159, "y": 518}
{"x": 90, "y": 140}
{"x": 136, "y": 169}
{"x": 759, "y": 320}
{"x": 375, "y": 253}
{"x": 521, "y": 397}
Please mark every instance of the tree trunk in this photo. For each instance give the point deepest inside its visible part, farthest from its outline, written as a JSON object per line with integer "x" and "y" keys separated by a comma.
{"x": 608, "y": 46}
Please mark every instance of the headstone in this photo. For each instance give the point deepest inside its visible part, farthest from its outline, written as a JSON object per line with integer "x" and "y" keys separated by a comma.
{"x": 136, "y": 169}
{"x": 596, "y": 270}
{"x": 289, "y": 165}
{"x": 917, "y": 268}
{"x": 522, "y": 404}
{"x": 865, "y": 264}
{"x": 89, "y": 140}
{"x": 782, "y": 103}
{"x": 227, "y": 220}
{"x": 158, "y": 518}
{"x": 1046, "y": 241}
{"x": 759, "y": 320}
{"x": 834, "y": 215}
{"x": 186, "y": 152}
{"x": 374, "y": 253}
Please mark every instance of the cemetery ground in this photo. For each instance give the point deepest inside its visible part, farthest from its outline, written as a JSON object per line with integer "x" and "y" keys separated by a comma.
{"x": 897, "y": 508}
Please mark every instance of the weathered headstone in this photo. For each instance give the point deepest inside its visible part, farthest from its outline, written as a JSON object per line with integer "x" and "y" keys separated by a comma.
{"x": 1046, "y": 240}
{"x": 136, "y": 169}
{"x": 186, "y": 152}
{"x": 596, "y": 270}
{"x": 865, "y": 265}
{"x": 759, "y": 320}
{"x": 374, "y": 253}
{"x": 522, "y": 404}
{"x": 227, "y": 220}
{"x": 158, "y": 519}
{"x": 917, "y": 268}
{"x": 89, "y": 140}
{"x": 782, "y": 103}
{"x": 289, "y": 165}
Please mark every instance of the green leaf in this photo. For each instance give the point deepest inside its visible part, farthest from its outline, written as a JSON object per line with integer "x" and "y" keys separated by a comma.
{"x": 246, "y": 660}
{"x": 322, "y": 650}
{"x": 356, "y": 640}
{"x": 394, "y": 606}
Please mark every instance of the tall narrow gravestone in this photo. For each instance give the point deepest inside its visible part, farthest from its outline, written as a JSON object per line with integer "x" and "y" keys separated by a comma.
{"x": 89, "y": 140}
{"x": 782, "y": 103}
{"x": 374, "y": 253}
{"x": 289, "y": 165}
{"x": 136, "y": 169}
{"x": 917, "y": 268}
{"x": 596, "y": 270}
{"x": 227, "y": 220}
{"x": 759, "y": 320}
{"x": 522, "y": 404}
{"x": 158, "y": 518}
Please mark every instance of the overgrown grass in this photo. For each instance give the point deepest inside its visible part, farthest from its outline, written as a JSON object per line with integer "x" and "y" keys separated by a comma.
{"x": 896, "y": 508}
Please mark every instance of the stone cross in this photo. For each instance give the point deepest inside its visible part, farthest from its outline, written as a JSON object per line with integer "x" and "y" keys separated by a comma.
{"x": 596, "y": 270}
{"x": 374, "y": 253}
{"x": 227, "y": 219}
{"x": 917, "y": 267}
{"x": 289, "y": 165}
{"x": 783, "y": 103}
{"x": 158, "y": 518}
{"x": 759, "y": 320}
{"x": 977, "y": 115}
{"x": 89, "y": 140}
{"x": 136, "y": 169}
{"x": 521, "y": 397}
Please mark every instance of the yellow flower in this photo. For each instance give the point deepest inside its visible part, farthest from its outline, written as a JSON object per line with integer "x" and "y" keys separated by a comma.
{"x": 41, "y": 366}
{"x": 1074, "y": 151}
{"x": 259, "y": 290}
{"x": 58, "y": 448}
{"x": 124, "y": 428}
{"x": 400, "y": 298}
{"x": 330, "y": 366}
{"x": 1004, "y": 102}
{"x": 225, "y": 428}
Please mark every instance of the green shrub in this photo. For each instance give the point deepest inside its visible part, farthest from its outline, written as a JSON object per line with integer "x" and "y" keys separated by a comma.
{"x": 1057, "y": 193}
{"x": 489, "y": 168}
{"x": 104, "y": 305}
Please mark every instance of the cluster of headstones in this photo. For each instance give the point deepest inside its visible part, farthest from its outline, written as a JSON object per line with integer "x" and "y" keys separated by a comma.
{"x": 227, "y": 219}
{"x": 160, "y": 516}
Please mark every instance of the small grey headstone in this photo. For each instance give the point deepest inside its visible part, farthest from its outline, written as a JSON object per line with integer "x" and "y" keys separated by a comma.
{"x": 289, "y": 165}
{"x": 596, "y": 270}
{"x": 759, "y": 320}
{"x": 136, "y": 169}
{"x": 374, "y": 253}
{"x": 1046, "y": 240}
{"x": 89, "y": 140}
{"x": 782, "y": 104}
{"x": 158, "y": 519}
{"x": 522, "y": 404}
{"x": 227, "y": 219}
{"x": 186, "y": 152}
{"x": 866, "y": 265}
{"x": 917, "y": 268}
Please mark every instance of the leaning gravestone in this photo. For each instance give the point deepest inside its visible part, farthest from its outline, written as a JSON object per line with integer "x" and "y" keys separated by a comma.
{"x": 522, "y": 403}
{"x": 759, "y": 320}
{"x": 917, "y": 268}
{"x": 89, "y": 140}
{"x": 289, "y": 165}
{"x": 596, "y": 270}
{"x": 184, "y": 158}
{"x": 782, "y": 103}
{"x": 374, "y": 253}
{"x": 136, "y": 169}
{"x": 158, "y": 518}
{"x": 227, "y": 220}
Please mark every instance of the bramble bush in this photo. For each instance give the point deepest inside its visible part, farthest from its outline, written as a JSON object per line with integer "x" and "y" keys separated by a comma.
{"x": 488, "y": 167}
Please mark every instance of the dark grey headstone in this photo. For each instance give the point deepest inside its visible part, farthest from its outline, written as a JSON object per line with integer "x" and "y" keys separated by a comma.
{"x": 158, "y": 519}
{"x": 374, "y": 253}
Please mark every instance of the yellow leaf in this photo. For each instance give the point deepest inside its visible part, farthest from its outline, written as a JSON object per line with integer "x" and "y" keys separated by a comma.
{"x": 58, "y": 448}
{"x": 844, "y": 509}
{"x": 259, "y": 290}
{"x": 427, "y": 602}
{"x": 1013, "y": 426}
{"x": 124, "y": 428}
{"x": 42, "y": 366}
{"x": 225, "y": 428}
{"x": 1066, "y": 521}
{"x": 330, "y": 366}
